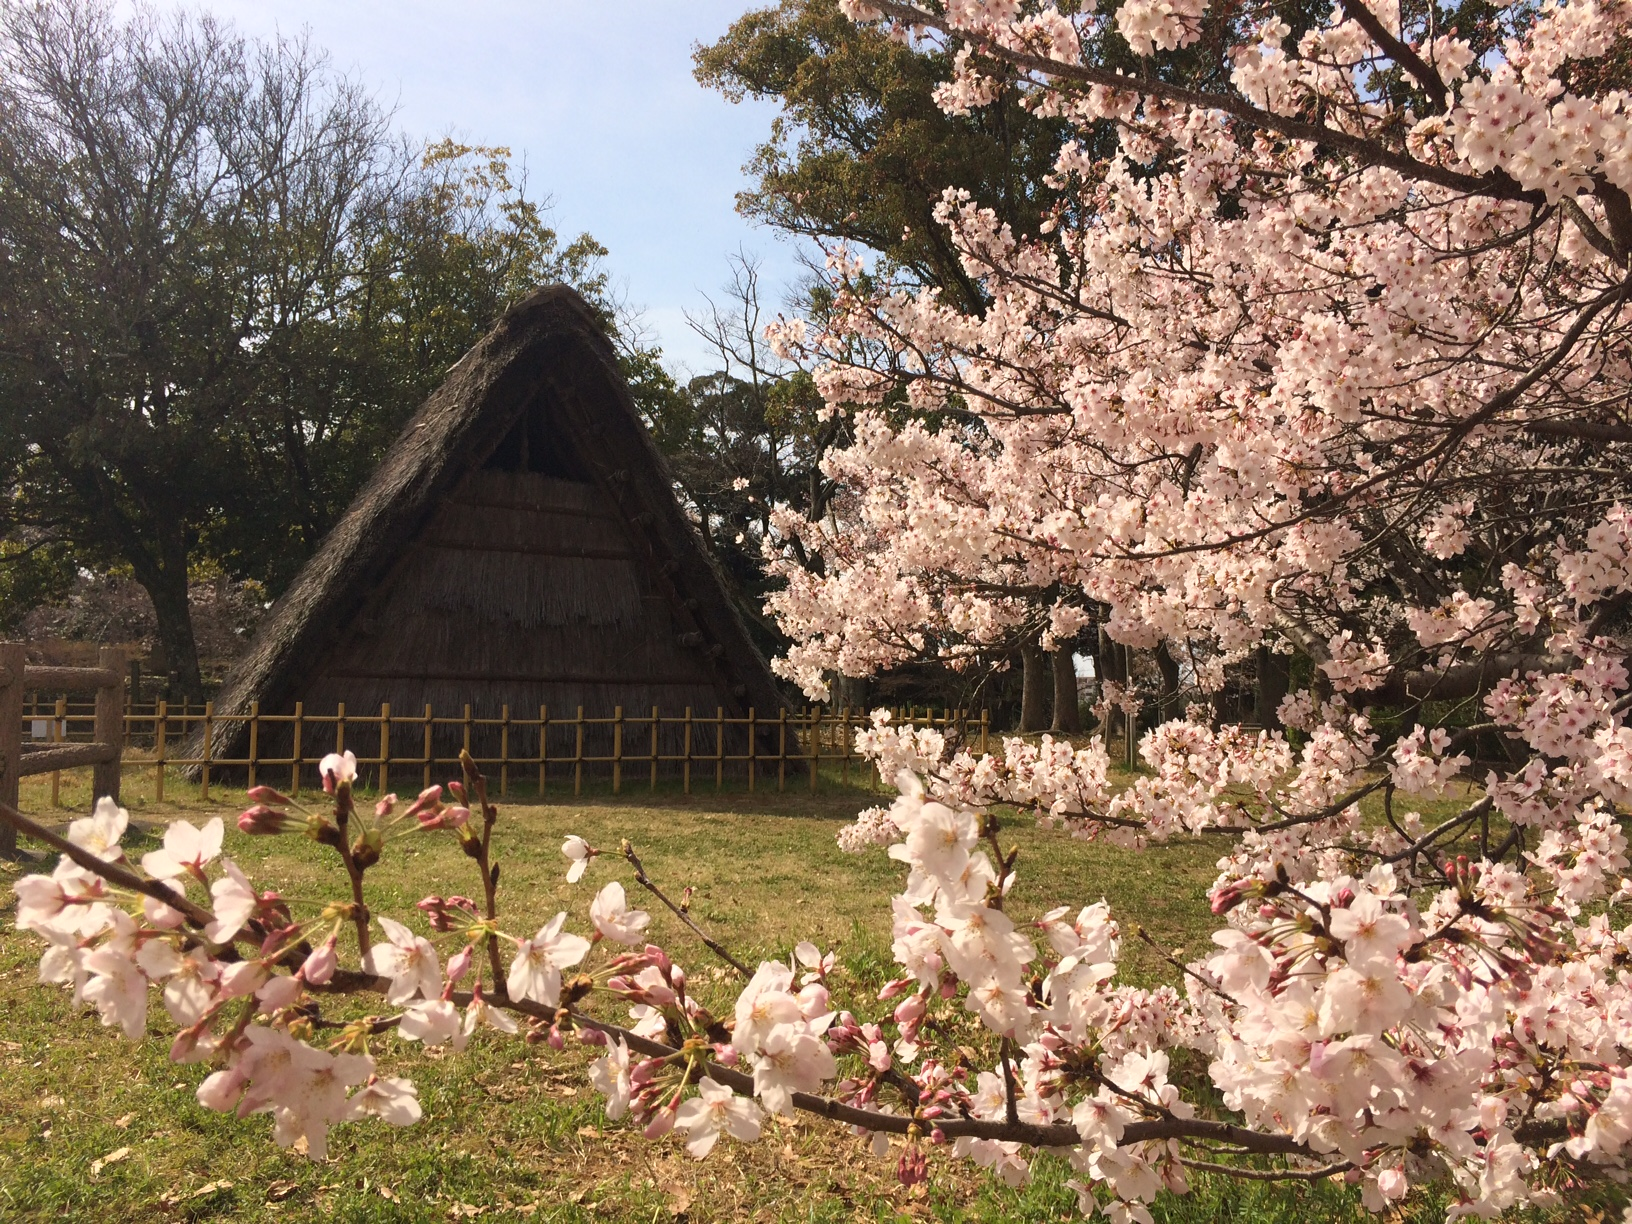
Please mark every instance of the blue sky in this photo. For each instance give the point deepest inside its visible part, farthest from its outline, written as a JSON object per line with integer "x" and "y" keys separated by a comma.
{"x": 598, "y": 97}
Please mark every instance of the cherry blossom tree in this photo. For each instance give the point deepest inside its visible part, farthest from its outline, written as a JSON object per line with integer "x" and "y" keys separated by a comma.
{"x": 1333, "y": 362}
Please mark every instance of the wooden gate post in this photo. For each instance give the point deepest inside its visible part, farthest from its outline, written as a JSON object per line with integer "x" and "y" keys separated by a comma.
{"x": 110, "y": 723}
{"x": 13, "y": 659}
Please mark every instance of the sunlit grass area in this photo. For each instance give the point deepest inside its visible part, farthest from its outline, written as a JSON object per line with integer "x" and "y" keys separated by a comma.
{"x": 94, "y": 1128}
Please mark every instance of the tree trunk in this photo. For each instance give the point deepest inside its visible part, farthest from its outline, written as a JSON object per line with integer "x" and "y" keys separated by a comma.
{"x": 1067, "y": 714}
{"x": 1274, "y": 677}
{"x": 1034, "y": 686}
{"x": 166, "y": 586}
{"x": 1170, "y": 681}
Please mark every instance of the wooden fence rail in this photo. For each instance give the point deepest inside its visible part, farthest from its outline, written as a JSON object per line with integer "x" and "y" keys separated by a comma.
{"x": 544, "y": 751}
{"x": 109, "y": 728}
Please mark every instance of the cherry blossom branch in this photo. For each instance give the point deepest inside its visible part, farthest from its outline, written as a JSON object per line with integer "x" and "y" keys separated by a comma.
{"x": 709, "y": 941}
{"x": 113, "y": 873}
{"x": 1497, "y": 184}
{"x": 1144, "y": 937}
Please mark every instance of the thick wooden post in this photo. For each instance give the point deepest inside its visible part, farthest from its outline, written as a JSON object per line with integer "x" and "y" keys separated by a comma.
{"x": 13, "y": 659}
{"x": 617, "y": 749}
{"x": 656, "y": 717}
{"x": 109, "y": 727}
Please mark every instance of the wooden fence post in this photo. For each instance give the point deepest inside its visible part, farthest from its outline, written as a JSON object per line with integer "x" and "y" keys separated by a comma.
{"x": 204, "y": 765}
{"x": 159, "y": 728}
{"x": 59, "y": 732}
{"x": 504, "y": 750}
{"x": 254, "y": 740}
{"x": 428, "y": 728}
{"x": 385, "y": 746}
{"x": 543, "y": 747}
{"x": 13, "y": 659}
{"x": 617, "y": 749}
{"x": 753, "y": 748}
{"x": 686, "y": 768}
{"x": 655, "y": 720}
{"x": 294, "y": 753}
{"x": 815, "y": 745}
{"x": 578, "y": 757}
{"x": 781, "y": 749}
{"x": 844, "y": 745}
{"x": 719, "y": 747}
{"x": 109, "y": 725}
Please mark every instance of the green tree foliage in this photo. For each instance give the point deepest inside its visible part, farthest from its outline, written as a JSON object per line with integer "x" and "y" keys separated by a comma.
{"x": 861, "y": 152}
{"x": 224, "y": 284}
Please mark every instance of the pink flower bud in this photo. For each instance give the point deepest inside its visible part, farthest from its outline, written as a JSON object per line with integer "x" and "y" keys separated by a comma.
{"x": 913, "y": 1168}
{"x": 894, "y": 987}
{"x": 262, "y": 819}
{"x": 385, "y": 806}
{"x": 661, "y": 1124}
{"x": 556, "y": 1041}
{"x": 644, "y": 1071}
{"x": 910, "y": 1010}
{"x": 265, "y": 794}
{"x": 677, "y": 977}
{"x": 459, "y": 963}
{"x": 220, "y": 1091}
{"x": 457, "y": 790}
{"x": 592, "y": 1036}
{"x": 454, "y": 817}
{"x": 320, "y": 965}
{"x": 938, "y": 1137}
{"x": 727, "y": 1055}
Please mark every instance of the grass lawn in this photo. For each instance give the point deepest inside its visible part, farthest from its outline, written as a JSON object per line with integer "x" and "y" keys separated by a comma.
{"x": 95, "y": 1128}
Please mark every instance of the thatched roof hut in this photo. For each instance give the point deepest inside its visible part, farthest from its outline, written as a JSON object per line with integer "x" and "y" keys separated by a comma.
{"x": 520, "y": 545}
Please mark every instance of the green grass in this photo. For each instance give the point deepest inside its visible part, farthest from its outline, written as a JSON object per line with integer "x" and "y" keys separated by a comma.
{"x": 513, "y": 1132}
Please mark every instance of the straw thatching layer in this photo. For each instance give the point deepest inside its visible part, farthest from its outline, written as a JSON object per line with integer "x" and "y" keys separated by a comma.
{"x": 521, "y": 546}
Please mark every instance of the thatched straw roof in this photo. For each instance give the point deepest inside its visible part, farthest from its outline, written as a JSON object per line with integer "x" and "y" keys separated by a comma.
{"x": 521, "y": 541}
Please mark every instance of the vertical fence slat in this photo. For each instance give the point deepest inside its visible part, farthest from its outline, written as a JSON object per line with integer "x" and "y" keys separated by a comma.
{"x": 295, "y": 746}
{"x": 782, "y": 750}
{"x": 59, "y": 722}
{"x": 753, "y": 748}
{"x": 429, "y": 725}
{"x": 254, "y": 740}
{"x": 655, "y": 718}
{"x": 504, "y": 750}
{"x": 686, "y": 768}
{"x": 209, "y": 736}
{"x": 543, "y": 746}
{"x": 617, "y": 749}
{"x": 159, "y": 729}
{"x": 719, "y": 747}
{"x": 578, "y": 756}
{"x": 385, "y": 747}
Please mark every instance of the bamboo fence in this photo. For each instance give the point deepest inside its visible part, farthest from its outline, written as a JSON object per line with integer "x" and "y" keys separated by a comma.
{"x": 545, "y": 752}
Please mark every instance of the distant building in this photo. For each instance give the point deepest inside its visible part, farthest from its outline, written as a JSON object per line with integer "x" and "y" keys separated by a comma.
{"x": 521, "y": 546}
